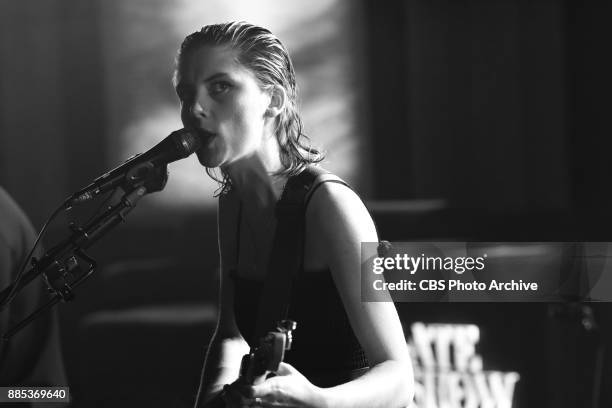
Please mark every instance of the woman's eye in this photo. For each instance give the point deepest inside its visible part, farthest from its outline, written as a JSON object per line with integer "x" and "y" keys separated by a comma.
{"x": 219, "y": 87}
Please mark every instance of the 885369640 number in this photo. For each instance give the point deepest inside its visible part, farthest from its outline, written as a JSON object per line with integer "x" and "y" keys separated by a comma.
{"x": 34, "y": 394}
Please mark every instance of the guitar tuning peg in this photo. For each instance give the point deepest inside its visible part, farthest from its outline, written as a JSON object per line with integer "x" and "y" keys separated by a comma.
{"x": 287, "y": 327}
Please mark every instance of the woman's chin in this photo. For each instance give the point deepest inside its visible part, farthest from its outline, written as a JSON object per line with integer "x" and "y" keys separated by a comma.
{"x": 209, "y": 159}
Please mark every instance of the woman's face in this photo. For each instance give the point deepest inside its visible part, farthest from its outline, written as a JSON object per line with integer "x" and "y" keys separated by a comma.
{"x": 222, "y": 102}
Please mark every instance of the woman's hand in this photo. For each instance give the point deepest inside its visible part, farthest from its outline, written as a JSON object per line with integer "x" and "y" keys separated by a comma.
{"x": 235, "y": 395}
{"x": 289, "y": 388}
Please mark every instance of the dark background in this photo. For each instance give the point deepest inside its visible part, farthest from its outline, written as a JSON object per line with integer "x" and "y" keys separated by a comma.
{"x": 487, "y": 120}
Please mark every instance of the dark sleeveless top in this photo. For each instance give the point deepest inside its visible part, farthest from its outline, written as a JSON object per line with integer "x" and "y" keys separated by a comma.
{"x": 325, "y": 348}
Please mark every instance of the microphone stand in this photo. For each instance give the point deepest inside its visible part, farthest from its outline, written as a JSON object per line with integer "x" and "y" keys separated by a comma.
{"x": 66, "y": 265}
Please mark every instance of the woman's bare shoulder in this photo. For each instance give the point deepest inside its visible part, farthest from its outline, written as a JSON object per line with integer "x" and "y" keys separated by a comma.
{"x": 333, "y": 200}
{"x": 336, "y": 212}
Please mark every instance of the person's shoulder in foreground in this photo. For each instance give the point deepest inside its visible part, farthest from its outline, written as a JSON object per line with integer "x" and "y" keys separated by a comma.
{"x": 33, "y": 356}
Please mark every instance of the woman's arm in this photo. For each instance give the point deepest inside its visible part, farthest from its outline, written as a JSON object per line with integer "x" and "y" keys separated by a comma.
{"x": 226, "y": 348}
{"x": 338, "y": 217}
{"x": 222, "y": 363}
{"x": 344, "y": 224}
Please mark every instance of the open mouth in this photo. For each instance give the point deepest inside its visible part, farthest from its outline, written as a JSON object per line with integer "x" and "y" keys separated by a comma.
{"x": 203, "y": 134}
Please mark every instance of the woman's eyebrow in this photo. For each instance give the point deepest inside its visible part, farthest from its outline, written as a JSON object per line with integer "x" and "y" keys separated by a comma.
{"x": 216, "y": 76}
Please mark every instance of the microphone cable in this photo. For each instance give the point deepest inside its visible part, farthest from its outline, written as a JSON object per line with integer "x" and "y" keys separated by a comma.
{"x": 25, "y": 261}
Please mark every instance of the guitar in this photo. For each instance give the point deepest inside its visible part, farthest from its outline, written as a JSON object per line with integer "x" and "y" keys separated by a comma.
{"x": 265, "y": 358}
{"x": 262, "y": 359}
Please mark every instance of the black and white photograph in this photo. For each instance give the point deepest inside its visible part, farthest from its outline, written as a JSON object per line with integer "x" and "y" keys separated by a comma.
{"x": 305, "y": 204}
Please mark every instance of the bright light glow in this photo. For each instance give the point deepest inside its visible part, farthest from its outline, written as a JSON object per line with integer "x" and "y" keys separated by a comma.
{"x": 140, "y": 42}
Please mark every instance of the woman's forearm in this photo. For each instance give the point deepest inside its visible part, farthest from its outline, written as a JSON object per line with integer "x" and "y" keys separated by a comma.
{"x": 222, "y": 366}
{"x": 387, "y": 385}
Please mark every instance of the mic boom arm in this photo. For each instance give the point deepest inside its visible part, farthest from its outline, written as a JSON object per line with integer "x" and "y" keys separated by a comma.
{"x": 61, "y": 265}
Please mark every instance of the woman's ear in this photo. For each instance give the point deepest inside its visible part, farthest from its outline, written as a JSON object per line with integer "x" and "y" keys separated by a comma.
{"x": 278, "y": 96}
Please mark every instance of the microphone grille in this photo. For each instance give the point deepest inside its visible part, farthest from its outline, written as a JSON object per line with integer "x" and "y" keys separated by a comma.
{"x": 186, "y": 142}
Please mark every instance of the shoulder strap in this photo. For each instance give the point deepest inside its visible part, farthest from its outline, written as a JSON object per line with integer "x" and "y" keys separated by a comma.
{"x": 287, "y": 255}
{"x": 318, "y": 182}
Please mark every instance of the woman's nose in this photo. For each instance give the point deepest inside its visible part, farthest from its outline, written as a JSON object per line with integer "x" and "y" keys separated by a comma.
{"x": 197, "y": 109}
{"x": 193, "y": 113}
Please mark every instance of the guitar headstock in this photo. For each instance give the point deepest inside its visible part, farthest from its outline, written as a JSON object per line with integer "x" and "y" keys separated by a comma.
{"x": 268, "y": 354}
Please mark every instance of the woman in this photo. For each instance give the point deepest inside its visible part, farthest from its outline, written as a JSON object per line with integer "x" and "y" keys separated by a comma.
{"x": 237, "y": 89}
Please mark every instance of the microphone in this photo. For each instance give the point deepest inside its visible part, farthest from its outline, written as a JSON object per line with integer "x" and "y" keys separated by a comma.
{"x": 178, "y": 145}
